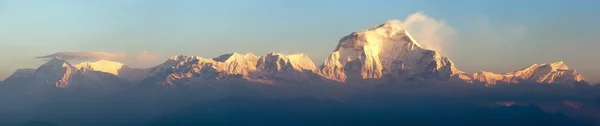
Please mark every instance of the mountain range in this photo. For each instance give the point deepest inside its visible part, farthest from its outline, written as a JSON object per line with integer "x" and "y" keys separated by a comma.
{"x": 383, "y": 65}
{"x": 386, "y": 52}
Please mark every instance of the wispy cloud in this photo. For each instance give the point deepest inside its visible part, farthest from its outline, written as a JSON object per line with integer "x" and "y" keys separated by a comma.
{"x": 146, "y": 56}
{"x": 429, "y": 32}
{"x": 86, "y": 56}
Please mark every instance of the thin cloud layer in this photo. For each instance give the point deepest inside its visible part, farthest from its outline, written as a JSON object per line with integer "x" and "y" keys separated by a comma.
{"x": 86, "y": 56}
{"x": 146, "y": 56}
{"x": 429, "y": 32}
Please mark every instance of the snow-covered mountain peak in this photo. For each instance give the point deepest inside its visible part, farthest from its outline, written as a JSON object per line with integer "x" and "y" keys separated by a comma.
{"x": 391, "y": 24}
{"x": 556, "y": 72}
{"x": 234, "y": 56}
{"x": 299, "y": 61}
{"x": 281, "y": 54}
{"x": 183, "y": 57}
{"x": 559, "y": 65}
{"x": 101, "y": 66}
{"x": 97, "y": 75}
{"x": 374, "y": 52}
{"x": 234, "y": 66}
{"x": 296, "y": 56}
{"x": 388, "y": 42}
{"x": 55, "y": 62}
{"x": 176, "y": 57}
{"x": 56, "y": 71}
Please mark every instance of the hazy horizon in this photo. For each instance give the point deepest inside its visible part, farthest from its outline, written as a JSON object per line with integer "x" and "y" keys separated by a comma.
{"x": 480, "y": 35}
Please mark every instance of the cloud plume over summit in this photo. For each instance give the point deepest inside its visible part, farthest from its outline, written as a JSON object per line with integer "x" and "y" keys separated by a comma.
{"x": 86, "y": 56}
{"x": 429, "y": 32}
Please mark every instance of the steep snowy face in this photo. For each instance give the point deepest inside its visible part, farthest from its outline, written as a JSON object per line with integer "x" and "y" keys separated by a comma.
{"x": 295, "y": 67}
{"x": 332, "y": 68}
{"x": 373, "y": 53}
{"x": 556, "y": 72}
{"x": 192, "y": 69}
{"x": 236, "y": 64}
{"x": 279, "y": 62}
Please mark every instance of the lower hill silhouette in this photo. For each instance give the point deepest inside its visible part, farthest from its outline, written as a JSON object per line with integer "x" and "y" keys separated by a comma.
{"x": 237, "y": 111}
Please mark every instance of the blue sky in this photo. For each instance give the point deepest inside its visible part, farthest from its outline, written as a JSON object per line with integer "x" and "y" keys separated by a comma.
{"x": 492, "y": 35}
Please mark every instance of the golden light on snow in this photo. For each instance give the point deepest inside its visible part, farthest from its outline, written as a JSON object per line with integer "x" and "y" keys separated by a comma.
{"x": 102, "y": 66}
